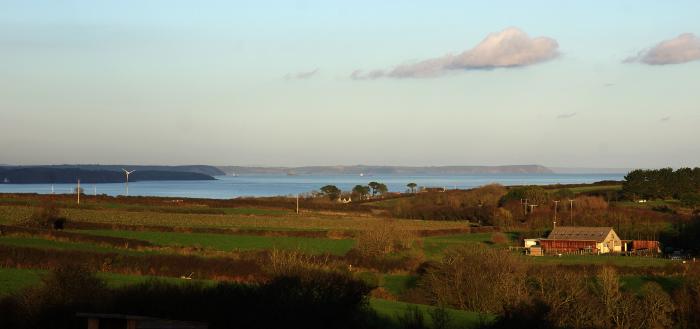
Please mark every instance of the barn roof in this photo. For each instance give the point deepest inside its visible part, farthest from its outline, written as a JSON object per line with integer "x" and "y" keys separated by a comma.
{"x": 579, "y": 233}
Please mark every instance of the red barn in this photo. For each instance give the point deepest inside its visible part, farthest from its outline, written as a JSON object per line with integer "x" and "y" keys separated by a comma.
{"x": 576, "y": 239}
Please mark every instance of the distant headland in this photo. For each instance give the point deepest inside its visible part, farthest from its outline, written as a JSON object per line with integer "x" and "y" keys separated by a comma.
{"x": 58, "y": 174}
{"x": 386, "y": 170}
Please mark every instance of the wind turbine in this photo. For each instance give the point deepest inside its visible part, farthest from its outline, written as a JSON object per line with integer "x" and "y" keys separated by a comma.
{"x": 127, "y": 179}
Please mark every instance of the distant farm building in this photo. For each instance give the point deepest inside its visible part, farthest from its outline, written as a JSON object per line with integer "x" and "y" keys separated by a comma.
{"x": 588, "y": 240}
{"x": 642, "y": 247}
{"x": 574, "y": 239}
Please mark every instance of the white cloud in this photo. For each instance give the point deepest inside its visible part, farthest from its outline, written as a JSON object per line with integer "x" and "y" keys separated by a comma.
{"x": 301, "y": 75}
{"x": 682, "y": 49}
{"x": 566, "y": 115}
{"x": 508, "y": 48}
{"x": 360, "y": 75}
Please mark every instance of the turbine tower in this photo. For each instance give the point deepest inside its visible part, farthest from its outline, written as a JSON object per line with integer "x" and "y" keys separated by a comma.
{"x": 127, "y": 179}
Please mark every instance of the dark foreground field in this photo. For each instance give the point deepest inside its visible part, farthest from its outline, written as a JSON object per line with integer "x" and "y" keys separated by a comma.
{"x": 407, "y": 272}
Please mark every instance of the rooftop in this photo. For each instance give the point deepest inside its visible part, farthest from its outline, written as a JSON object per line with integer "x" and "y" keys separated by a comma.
{"x": 579, "y": 233}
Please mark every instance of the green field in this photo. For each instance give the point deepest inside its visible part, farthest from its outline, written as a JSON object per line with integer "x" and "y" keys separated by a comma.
{"x": 37, "y": 242}
{"x": 459, "y": 319}
{"x": 397, "y": 284}
{"x": 228, "y": 242}
{"x": 631, "y": 261}
{"x": 635, "y": 282}
{"x": 594, "y": 188}
{"x": 13, "y": 279}
{"x": 435, "y": 246}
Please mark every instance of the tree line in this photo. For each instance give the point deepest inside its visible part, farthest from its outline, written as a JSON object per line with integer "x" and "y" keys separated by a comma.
{"x": 682, "y": 184}
{"x": 358, "y": 192}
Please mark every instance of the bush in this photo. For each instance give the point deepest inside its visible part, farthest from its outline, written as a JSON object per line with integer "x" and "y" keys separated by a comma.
{"x": 523, "y": 315}
{"x": 690, "y": 200}
{"x": 477, "y": 279}
{"x": 63, "y": 292}
{"x": 474, "y": 205}
{"x": 292, "y": 262}
{"x": 48, "y": 216}
{"x": 315, "y": 300}
{"x": 386, "y": 239}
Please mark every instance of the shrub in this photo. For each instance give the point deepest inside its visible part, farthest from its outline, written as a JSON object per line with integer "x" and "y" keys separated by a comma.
{"x": 292, "y": 262}
{"x": 315, "y": 300}
{"x": 386, "y": 239}
{"x": 48, "y": 216}
{"x": 476, "y": 279}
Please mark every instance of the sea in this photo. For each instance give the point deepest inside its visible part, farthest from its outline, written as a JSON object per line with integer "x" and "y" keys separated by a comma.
{"x": 227, "y": 187}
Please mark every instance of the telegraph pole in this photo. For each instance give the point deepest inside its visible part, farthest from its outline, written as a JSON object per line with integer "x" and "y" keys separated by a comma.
{"x": 556, "y": 206}
{"x": 297, "y": 203}
{"x": 525, "y": 206}
{"x": 532, "y": 207}
{"x": 78, "y": 191}
{"x": 571, "y": 212}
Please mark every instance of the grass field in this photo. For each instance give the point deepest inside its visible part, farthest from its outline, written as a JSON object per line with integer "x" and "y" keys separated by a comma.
{"x": 632, "y": 261}
{"x": 226, "y": 242}
{"x": 294, "y": 222}
{"x": 459, "y": 319}
{"x": 40, "y": 243}
{"x": 13, "y": 279}
{"x": 14, "y": 214}
{"x": 635, "y": 282}
{"x": 397, "y": 284}
{"x": 593, "y": 188}
{"x": 650, "y": 203}
{"x": 435, "y": 246}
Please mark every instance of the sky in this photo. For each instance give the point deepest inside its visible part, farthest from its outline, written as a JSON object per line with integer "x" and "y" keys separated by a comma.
{"x": 558, "y": 83}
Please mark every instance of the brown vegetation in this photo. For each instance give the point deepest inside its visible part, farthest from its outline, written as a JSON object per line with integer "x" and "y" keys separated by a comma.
{"x": 475, "y": 205}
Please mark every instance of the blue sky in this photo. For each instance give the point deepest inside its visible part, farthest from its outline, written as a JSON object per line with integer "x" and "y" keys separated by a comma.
{"x": 271, "y": 83}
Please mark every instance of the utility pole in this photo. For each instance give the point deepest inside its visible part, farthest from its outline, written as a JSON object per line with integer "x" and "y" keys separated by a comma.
{"x": 571, "y": 212}
{"x": 297, "y": 203}
{"x": 556, "y": 206}
{"x": 78, "y": 191}
{"x": 532, "y": 207}
{"x": 525, "y": 206}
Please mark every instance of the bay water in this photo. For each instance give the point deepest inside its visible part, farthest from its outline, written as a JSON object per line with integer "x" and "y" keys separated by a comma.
{"x": 225, "y": 187}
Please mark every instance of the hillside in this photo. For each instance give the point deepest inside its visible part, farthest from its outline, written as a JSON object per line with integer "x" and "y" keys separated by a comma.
{"x": 387, "y": 170}
{"x": 44, "y": 175}
{"x": 199, "y": 169}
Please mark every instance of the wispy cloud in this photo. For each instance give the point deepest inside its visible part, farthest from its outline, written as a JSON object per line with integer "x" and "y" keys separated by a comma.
{"x": 508, "y": 48}
{"x": 301, "y": 75}
{"x": 665, "y": 119}
{"x": 566, "y": 115}
{"x": 681, "y": 49}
